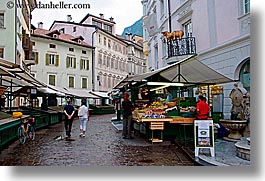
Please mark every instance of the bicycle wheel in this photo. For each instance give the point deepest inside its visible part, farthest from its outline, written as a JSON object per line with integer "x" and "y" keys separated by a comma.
{"x": 31, "y": 132}
{"x": 21, "y": 135}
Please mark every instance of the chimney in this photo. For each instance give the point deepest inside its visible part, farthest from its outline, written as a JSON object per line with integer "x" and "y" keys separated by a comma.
{"x": 69, "y": 18}
{"x": 101, "y": 15}
{"x": 129, "y": 36}
{"x": 40, "y": 25}
{"x": 111, "y": 19}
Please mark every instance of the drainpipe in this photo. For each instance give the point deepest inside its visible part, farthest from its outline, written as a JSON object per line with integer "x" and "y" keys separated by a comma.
{"x": 169, "y": 16}
{"x": 93, "y": 59}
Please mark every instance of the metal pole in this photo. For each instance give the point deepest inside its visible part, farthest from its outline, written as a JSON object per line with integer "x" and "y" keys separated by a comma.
{"x": 10, "y": 94}
{"x": 169, "y": 16}
{"x": 93, "y": 60}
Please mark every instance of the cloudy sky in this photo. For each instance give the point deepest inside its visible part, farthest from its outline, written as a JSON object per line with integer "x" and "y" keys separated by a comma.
{"x": 124, "y": 12}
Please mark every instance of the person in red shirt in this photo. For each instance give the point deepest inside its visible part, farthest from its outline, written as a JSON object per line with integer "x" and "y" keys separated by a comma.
{"x": 202, "y": 108}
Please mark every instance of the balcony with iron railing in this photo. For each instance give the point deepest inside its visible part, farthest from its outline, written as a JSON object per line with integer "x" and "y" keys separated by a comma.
{"x": 181, "y": 46}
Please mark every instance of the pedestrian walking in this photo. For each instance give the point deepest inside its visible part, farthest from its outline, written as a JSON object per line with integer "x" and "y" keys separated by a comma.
{"x": 69, "y": 111}
{"x": 83, "y": 115}
{"x": 127, "y": 109}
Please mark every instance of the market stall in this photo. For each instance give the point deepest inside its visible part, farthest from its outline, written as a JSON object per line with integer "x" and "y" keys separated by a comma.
{"x": 177, "y": 117}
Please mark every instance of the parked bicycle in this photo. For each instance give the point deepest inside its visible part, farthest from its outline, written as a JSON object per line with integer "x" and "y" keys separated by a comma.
{"x": 26, "y": 130}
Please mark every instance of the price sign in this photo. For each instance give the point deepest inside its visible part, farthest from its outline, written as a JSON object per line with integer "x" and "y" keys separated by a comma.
{"x": 204, "y": 135}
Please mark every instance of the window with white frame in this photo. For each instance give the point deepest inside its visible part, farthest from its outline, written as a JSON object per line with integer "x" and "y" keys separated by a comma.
{"x": 84, "y": 83}
{"x": 71, "y": 81}
{"x": 105, "y": 41}
{"x": 99, "y": 39}
{"x": 98, "y": 24}
{"x": 70, "y": 62}
{"x": 246, "y": 6}
{"x": 52, "y": 79}
{"x": 108, "y": 61}
{"x": 188, "y": 29}
{"x": 156, "y": 56}
{"x": 51, "y": 59}
{"x": 99, "y": 58}
{"x": 84, "y": 64}
{"x": 108, "y": 28}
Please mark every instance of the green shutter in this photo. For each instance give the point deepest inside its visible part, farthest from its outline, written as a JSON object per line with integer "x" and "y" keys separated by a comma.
{"x": 57, "y": 61}
{"x": 36, "y": 56}
{"x": 81, "y": 64}
{"x": 67, "y": 62}
{"x": 74, "y": 62}
{"x": 47, "y": 59}
{"x": 87, "y": 64}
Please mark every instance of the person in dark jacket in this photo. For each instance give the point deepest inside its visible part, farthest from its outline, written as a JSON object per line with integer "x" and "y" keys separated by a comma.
{"x": 127, "y": 109}
{"x": 69, "y": 112}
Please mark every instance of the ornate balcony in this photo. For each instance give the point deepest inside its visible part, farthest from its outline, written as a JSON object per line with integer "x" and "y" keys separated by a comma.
{"x": 181, "y": 46}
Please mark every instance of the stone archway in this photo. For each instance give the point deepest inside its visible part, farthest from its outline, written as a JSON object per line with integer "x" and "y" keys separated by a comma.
{"x": 242, "y": 73}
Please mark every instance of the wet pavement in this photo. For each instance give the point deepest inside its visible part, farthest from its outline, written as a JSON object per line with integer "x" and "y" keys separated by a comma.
{"x": 102, "y": 146}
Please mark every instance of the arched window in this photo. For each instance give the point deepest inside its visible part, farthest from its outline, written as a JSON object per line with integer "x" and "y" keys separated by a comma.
{"x": 244, "y": 75}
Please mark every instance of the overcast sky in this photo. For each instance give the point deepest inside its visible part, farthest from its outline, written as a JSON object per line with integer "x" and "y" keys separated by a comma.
{"x": 124, "y": 12}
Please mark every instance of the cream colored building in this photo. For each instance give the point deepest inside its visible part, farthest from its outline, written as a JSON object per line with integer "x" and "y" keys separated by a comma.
{"x": 110, "y": 58}
{"x": 62, "y": 60}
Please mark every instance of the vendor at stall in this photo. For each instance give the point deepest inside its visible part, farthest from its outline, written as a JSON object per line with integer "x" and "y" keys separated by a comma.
{"x": 168, "y": 95}
{"x": 202, "y": 108}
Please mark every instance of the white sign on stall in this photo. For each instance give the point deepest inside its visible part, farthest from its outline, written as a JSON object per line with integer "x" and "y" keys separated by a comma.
{"x": 204, "y": 135}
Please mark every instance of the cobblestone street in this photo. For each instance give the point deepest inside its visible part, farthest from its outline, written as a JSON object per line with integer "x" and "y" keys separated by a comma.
{"x": 102, "y": 146}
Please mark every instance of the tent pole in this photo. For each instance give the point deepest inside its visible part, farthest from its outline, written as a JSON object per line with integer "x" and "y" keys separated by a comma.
{"x": 9, "y": 97}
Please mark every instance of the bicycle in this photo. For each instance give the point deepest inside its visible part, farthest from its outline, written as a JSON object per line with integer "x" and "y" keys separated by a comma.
{"x": 26, "y": 130}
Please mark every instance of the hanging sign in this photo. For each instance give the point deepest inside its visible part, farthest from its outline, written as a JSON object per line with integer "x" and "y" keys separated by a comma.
{"x": 204, "y": 135}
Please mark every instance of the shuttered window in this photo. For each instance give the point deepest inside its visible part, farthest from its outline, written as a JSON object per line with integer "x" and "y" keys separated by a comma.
{"x": 52, "y": 59}
{"x": 84, "y": 64}
{"x": 70, "y": 62}
{"x": 35, "y": 56}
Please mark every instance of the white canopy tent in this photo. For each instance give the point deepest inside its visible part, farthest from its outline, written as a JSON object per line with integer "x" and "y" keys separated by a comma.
{"x": 189, "y": 71}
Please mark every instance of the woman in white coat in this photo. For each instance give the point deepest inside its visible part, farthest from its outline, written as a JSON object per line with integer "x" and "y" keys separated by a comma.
{"x": 83, "y": 117}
